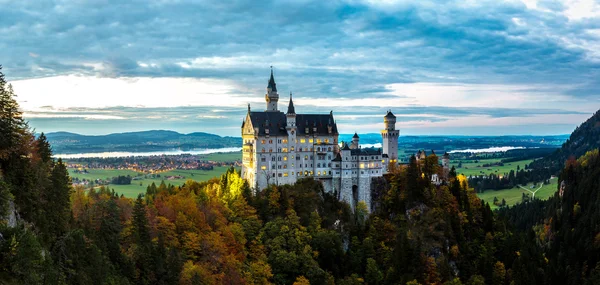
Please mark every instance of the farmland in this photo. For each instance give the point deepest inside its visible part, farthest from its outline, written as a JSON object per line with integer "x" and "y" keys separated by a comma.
{"x": 139, "y": 186}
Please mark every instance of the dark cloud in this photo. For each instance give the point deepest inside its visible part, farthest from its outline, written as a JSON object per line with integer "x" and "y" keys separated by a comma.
{"x": 320, "y": 49}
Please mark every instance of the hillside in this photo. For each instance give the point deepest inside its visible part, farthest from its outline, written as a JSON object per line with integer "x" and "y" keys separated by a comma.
{"x": 585, "y": 138}
{"x": 155, "y": 140}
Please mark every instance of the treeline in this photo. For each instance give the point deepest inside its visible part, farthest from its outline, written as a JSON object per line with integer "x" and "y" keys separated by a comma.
{"x": 514, "y": 178}
{"x": 121, "y": 180}
{"x": 524, "y": 154}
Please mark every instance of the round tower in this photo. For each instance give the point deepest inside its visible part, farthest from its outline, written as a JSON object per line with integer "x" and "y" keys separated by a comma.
{"x": 355, "y": 141}
{"x": 390, "y": 136}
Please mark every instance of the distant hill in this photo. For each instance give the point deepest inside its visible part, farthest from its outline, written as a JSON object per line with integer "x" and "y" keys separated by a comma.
{"x": 585, "y": 138}
{"x": 161, "y": 140}
{"x": 156, "y": 140}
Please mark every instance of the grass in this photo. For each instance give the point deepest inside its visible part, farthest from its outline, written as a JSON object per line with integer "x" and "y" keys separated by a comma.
{"x": 139, "y": 186}
{"x": 513, "y": 196}
{"x": 224, "y": 156}
{"x": 471, "y": 168}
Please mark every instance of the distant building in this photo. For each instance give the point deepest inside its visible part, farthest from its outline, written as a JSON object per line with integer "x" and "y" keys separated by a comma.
{"x": 280, "y": 148}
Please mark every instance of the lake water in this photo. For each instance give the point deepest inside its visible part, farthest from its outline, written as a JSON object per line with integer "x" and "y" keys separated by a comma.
{"x": 489, "y": 149}
{"x": 127, "y": 154}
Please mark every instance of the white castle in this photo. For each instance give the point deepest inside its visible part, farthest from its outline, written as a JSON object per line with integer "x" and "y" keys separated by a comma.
{"x": 280, "y": 148}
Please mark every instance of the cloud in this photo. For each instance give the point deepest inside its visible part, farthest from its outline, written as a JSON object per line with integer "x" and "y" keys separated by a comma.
{"x": 498, "y": 59}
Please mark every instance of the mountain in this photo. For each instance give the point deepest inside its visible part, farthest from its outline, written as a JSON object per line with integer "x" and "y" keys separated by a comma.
{"x": 586, "y": 137}
{"x": 155, "y": 140}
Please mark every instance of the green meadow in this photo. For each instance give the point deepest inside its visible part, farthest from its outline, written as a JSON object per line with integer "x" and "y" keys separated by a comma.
{"x": 139, "y": 186}
{"x": 472, "y": 168}
{"x": 513, "y": 196}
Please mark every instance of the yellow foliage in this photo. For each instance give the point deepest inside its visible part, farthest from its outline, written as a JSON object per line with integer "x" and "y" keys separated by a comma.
{"x": 301, "y": 280}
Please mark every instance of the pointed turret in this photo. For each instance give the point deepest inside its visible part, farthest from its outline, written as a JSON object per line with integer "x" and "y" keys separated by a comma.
{"x": 272, "y": 97}
{"x": 272, "y": 84}
{"x": 291, "y": 109}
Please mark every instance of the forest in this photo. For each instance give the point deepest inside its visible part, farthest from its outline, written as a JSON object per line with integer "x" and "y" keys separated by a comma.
{"x": 219, "y": 232}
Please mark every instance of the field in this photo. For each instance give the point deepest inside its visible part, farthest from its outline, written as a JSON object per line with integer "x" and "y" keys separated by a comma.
{"x": 139, "y": 186}
{"x": 224, "y": 156}
{"x": 471, "y": 168}
{"x": 513, "y": 196}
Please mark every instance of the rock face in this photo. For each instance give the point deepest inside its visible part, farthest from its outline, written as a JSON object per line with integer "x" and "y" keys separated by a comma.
{"x": 13, "y": 217}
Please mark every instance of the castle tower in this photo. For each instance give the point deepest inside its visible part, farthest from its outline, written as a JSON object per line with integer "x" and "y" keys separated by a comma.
{"x": 390, "y": 137}
{"x": 446, "y": 165}
{"x": 272, "y": 97}
{"x": 355, "y": 141}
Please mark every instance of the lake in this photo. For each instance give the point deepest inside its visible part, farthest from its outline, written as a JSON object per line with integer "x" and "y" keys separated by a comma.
{"x": 127, "y": 154}
{"x": 489, "y": 149}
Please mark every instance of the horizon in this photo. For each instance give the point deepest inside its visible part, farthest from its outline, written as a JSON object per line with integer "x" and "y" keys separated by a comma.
{"x": 341, "y": 134}
{"x": 444, "y": 68}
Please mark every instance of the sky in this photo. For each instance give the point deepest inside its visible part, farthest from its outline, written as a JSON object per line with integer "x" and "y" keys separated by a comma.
{"x": 524, "y": 67}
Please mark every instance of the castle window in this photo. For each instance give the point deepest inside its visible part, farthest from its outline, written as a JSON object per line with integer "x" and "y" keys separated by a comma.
{"x": 311, "y": 157}
{"x": 273, "y": 174}
{"x": 306, "y": 157}
{"x": 302, "y": 141}
{"x": 329, "y": 149}
{"x": 262, "y": 141}
{"x": 310, "y": 140}
{"x": 318, "y": 165}
{"x": 292, "y": 165}
{"x": 285, "y": 149}
{"x": 278, "y": 166}
{"x": 285, "y": 174}
{"x": 329, "y": 172}
{"x": 263, "y": 167}
{"x": 297, "y": 157}
{"x": 270, "y": 141}
{"x": 318, "y": 149}
{"x": 279, "y": 158}
{"x": 285, "y": 141}
{"x": 263, "y": 159}
{"x": 273, "y": 158}
{"x": 263, "y": 150}
{"x": 285, "y": 166}
{"x": 329, "y": 165}
{"x": 278, "y": 174}
{"x": 305, "y": 173}
{"x": 326, "y": 140}
{"x": 292, "y": 148}
{"x": 270, "y": 150}
{"x": 318, "y": 140}
{"x": 318, "y": 173}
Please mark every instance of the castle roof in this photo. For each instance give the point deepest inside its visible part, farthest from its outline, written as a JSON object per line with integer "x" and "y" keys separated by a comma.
{"x": 272, "y": 84}
{"x": 389, "y": 115}
{"x": 355, "y": 135}
{"x": 291, "y": 109}
{"x": 338, "y": 157}
{"x": 276, "y": 122}
{"x": 365, "y": 151}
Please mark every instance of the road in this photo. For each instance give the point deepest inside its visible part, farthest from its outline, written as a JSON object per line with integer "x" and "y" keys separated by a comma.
{"x": 532, "y": 192}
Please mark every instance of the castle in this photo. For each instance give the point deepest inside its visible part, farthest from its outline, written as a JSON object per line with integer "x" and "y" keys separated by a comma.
{"x": 280, "y": 148}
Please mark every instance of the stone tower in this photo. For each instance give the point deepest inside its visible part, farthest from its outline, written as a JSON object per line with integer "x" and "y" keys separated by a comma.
{"x": 272, "y": 97}
{"x": 446, "y": 165}
{"x": 390, "y": 137}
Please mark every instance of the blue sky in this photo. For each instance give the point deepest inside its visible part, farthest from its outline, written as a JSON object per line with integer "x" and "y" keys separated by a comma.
{"x": 443, "y": 67}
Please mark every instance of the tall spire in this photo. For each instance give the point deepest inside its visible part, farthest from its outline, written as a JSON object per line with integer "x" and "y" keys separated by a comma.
{"x": 272, "y": 84}
{"x": 291, "y": 109}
